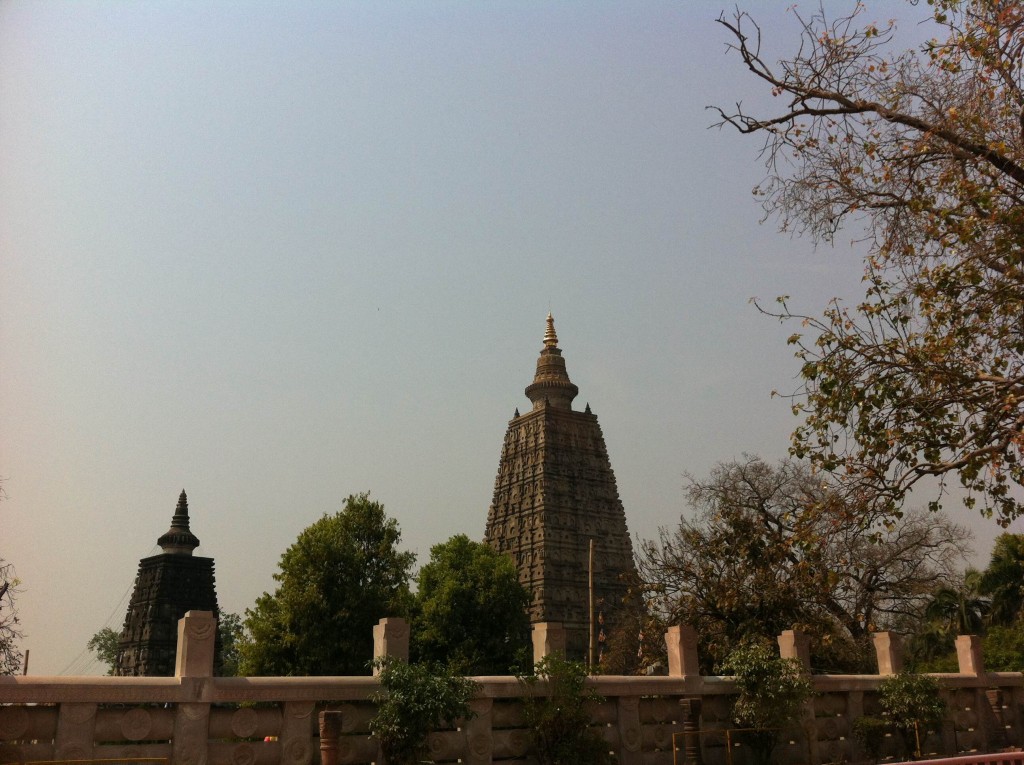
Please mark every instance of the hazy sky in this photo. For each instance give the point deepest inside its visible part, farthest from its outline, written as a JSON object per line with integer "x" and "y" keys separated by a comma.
{"x": 277, "y": 253}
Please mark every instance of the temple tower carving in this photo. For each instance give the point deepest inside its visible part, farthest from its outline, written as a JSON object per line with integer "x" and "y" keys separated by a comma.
{"x": 555, "y": 491}
{"x": 167, "y": 585}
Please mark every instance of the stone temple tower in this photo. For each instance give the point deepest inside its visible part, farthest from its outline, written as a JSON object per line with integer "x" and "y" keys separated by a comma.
{"x": 167, "y": 585}
{"x": 556, "y": 491}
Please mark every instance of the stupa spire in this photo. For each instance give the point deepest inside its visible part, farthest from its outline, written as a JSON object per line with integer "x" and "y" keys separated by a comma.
{"x": 554, "y": 494}
{"x": 550, "y": 338}
{"x": 551, "y": 385}
{"x": 179, "y": 538}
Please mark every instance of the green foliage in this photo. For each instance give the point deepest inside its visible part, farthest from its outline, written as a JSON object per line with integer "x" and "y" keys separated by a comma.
{"x": 954, "y": 609}
{"x": 772, "y": 692}
{"x": 470, "y": 609}
{"x": 556, "y": 708}
{"x": 1004, "y": 648}
{"x": 340, "y": 577}
{"x": 416, "y": 700}
{"x": 918, "y": 152}
{"x": 230, "y": 633}
{"x": 987, "y": 603}
{"x": 104, "y": 645}
{"x": 913, "y": 704}
{"x": 1003, "y": 578}
{"x": 870, "y": 733}
{"x": 938, "y": 662}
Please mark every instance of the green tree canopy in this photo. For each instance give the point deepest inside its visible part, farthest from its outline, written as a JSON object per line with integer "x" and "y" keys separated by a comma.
{"x": 104, "y": 645}
{"x": 776, "y": 547}
{"x": 1003, "y": 579}
{"x": 920, "y": 154}
{"x": 340, "y": 577}
{"x": 470, "y": 609}
{"x": 231, "y": 633}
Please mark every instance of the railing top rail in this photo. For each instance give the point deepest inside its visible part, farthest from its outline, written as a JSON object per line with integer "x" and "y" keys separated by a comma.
{"x": 994, "y": 758}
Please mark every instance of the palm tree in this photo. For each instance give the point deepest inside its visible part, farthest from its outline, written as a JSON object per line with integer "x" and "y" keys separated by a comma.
{"x": 952, "y": 611}
{"x": 1003, "y": 580}
{"x": 959, "y": 610}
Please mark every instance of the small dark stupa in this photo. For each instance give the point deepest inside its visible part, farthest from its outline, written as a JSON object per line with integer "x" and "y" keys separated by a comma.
{"x": 167, "y": 586}
{"x": 555, "y": 491}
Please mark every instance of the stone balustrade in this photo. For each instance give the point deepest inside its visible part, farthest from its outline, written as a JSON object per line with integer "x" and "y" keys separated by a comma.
{"x": 197, "y": 719}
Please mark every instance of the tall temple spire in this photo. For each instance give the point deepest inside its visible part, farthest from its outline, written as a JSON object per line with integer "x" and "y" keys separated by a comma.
{"x": 168, "y": 585}
{"x": 179, "y": 539}
{"x": 555, "y": 492}
{"x": 551, "y": 384}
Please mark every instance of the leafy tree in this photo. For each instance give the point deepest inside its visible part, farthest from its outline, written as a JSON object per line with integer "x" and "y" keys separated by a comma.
{"x": 10, "y": 631}
{"x": 231, "y": 633}
{"x": 416, "y": 700}
{"x": 912, "y": 704}
{"x": 556, "y": 709}
{"x": 470, "y": 609}
{"x": 959, "y": 609}
{"x": 341, "y": 576}
{"x": 1003, "y": 578}
{"x": 955, "y": 608}
{"x": 636, "y": 642}
{"x": 1004, "y": 648}
{"x": 104, "y": 645}
{"x": 776, "y": 547}
{"x": 921, "y": 154}
{"x": 772, "y": 692}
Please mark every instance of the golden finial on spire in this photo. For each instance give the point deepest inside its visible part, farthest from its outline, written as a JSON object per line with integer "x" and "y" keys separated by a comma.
{"x": 550, "y": 338}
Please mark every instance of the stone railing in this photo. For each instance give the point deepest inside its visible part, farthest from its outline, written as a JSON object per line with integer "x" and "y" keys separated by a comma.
{"x": 194, "y": 718}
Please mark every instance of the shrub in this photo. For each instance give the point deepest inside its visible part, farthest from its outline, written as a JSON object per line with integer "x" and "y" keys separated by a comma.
{"x": 416, "y": 699}
{"x": 870, "y": 732}
{"x": 558, "y": 714}
{"x": 912, "y": 703}
{"x": 772, "y": 692}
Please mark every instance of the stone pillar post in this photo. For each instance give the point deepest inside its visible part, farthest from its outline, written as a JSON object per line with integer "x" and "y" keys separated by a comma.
{"x": 330, "y": 731}
{"x": 889, "y": 652}
{"x": 548, "y": 638}
{"x": 968, "y": 654}
{"x": 390, "y": 638}
{"x": 794, "y": 644}
{"x": 631, "y": 732}
{"x": 681, "y": 641}
{"x": 197, "y": 641}
{"x": 691, "y": 730}
{"x": 996, "y": 721}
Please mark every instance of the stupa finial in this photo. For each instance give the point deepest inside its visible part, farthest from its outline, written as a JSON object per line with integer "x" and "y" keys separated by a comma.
{"x": 551, "y": 385}
{"x": 550, "y": 338}
{"x": 179, "y": 539}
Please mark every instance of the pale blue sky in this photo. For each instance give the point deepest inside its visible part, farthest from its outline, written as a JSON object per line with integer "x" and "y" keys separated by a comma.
{"x": 277, "y": 253}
